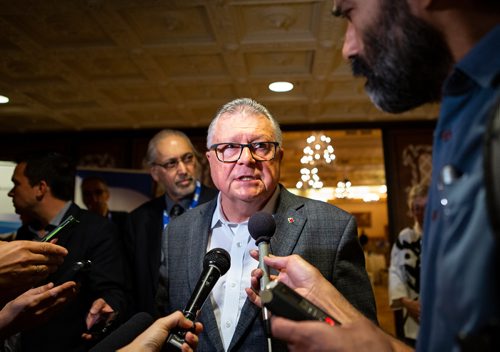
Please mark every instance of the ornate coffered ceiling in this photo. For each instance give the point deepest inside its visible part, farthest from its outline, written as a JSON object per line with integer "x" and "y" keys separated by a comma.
{"x": 96, "y": 64}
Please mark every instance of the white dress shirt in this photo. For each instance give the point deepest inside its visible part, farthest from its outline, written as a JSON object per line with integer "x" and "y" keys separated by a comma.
{"x": 228, "y": 295}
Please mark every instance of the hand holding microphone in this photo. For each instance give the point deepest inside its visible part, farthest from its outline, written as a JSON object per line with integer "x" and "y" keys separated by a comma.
{"x": 215, "y": 264}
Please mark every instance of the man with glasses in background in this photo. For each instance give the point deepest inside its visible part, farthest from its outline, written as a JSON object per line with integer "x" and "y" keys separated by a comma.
{"x": 174, "y": 165}
{"x": 245, "y": 153}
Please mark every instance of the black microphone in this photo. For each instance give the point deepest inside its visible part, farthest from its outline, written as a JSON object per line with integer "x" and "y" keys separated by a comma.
{"x": 124, "y": 334}
{"x": 215, "y": 264}
{"x": 261, "y": 226}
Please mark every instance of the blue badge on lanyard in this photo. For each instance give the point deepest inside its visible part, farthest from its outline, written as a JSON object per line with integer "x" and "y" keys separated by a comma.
{"x": 194, "y": 203}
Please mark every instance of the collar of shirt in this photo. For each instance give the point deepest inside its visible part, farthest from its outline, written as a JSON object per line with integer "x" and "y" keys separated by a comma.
{"x": 59, "y": 217}
{"x": 270, "y": 207}
{"x": 54, "y": 221}
{"x": 184, "y": 202}
{"x": 477, "y": 65}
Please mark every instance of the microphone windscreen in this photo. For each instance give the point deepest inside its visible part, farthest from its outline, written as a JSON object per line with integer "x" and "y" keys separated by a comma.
{"x": 261, "y": 226}
{"x": 219, "y": 258}
{"x": 125, "y": 333}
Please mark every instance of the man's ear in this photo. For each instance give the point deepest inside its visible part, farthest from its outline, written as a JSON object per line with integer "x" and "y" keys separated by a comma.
{"x": 154, "y": 173}
{"x": 41, "y": 189}
{"x": 281, "y": 152}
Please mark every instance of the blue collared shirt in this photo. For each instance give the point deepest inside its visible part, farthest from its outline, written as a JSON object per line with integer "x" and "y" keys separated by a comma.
{"x": 460, "y": 291}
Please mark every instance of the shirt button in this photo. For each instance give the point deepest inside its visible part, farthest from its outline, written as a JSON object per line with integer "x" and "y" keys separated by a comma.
{"x": 233, "y": 284}
{"x": 228, "y": 324}
{"x": 238, "y": 244}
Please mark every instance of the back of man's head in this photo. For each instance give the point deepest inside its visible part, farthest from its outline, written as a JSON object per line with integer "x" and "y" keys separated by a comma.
{"x": 57, "y": 170}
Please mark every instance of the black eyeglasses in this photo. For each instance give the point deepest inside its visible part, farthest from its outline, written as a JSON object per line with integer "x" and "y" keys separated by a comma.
{"x": 231, "y": 152}
{"x": 172, "y": 164}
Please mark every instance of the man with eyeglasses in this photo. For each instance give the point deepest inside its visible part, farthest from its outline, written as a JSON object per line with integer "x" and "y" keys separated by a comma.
{"x": 245, "y": 153}
{"x": 173, "y": 164}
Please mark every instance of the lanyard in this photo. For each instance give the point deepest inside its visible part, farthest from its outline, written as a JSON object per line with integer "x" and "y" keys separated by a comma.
{"x": 194, "y": 203}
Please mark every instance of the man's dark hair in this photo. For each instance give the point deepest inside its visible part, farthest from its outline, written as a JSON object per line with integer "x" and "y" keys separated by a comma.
{"x": 94, "y": 178}
{"x": 57, "y": 170}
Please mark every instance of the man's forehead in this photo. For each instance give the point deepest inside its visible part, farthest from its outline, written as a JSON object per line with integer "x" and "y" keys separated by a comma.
{"x": 94, "y": 186}
{"x": 173, "y": 145}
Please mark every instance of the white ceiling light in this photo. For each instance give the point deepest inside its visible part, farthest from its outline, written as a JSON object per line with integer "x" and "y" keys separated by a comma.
{"x": 280, "y": 87}
{"x": 3, "y": 99}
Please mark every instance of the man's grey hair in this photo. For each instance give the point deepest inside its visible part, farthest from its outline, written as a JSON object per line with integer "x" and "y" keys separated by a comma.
{"x": 240, "y": 105}
{"x": 152, "y": 151}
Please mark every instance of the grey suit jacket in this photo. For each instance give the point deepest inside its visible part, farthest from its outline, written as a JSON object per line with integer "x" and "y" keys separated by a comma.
{"x": 323, "y": 234}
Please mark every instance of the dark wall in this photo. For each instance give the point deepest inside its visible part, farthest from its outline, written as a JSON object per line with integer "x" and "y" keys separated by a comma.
{"x": 407, "y": 154}
{"x": 114, "y": 149}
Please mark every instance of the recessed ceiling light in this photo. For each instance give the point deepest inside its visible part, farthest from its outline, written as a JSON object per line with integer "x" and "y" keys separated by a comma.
{"x": 281, "y": 87}
{"x": 3, "y": 99}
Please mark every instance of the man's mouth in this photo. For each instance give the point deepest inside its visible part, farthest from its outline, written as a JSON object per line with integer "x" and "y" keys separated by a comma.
{"x": 184, "y": 182}
{"x": 247, "y": 178}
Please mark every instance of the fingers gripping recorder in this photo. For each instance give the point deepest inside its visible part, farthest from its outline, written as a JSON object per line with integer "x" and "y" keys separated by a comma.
{"x": 215, "y": 264}
{"x": 285, "y": 302}
{"x": 276, "y": 296}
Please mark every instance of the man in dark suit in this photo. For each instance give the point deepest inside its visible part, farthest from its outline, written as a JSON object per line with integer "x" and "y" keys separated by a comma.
{"x": 245, "y": 154}
{"x": 43, "y": 191}
{"x": 95, "y": 196}
{"x": 174, "y": 165}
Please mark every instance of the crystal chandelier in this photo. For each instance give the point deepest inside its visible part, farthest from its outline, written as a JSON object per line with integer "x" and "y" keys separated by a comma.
{"x": 343, "y": 189}
{"x": 317, "y": 152}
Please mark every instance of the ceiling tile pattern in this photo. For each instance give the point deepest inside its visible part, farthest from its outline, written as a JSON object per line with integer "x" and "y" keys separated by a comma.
{"x": 119, "y": 64}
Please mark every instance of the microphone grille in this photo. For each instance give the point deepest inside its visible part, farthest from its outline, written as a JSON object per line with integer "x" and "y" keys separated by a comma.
{"x": 261, "y": 225}
{"x": 219, "y": 258}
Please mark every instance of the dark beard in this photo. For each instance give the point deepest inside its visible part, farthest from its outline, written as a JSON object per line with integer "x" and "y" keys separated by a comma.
{"x": 406, "y": 60}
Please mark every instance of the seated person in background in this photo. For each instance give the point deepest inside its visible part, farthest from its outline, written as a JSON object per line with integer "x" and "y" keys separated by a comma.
{"x": 245, "y": 154}
{"x": 404, "y": 269}
{"x": 95, "y": 196}
{"x": 44, "y": 189}
{"x": 174, "y": 165}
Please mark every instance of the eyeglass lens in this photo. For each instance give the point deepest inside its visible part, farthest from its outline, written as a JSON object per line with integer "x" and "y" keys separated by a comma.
{"x": 173, "y": 163}
{"x": 231, "y": 152}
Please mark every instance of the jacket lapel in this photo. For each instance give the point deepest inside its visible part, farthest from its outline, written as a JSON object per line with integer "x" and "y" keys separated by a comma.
{"x": 290, "y": 222}
{"x": 197, "y": 245}
{"x": 154, "y": 228}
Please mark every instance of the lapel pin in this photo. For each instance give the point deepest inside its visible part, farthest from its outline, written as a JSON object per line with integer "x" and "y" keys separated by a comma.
{"x": 291, "y": 220}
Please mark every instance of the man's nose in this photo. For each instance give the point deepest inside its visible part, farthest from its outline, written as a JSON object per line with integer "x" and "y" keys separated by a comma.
{"x": 181, "y": 167}
{"x": 352, "y": 46}
{"x": 246, "y": 155}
